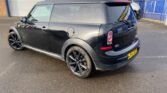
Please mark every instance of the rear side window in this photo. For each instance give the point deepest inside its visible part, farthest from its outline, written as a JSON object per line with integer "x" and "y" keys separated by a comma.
{"x": 41, "y": 13}
{"x": 119, "y": 13}
{"x": 78, "y": 13}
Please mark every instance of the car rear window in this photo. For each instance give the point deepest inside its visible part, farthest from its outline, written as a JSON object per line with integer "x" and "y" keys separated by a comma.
{"x": 119, "y": 12}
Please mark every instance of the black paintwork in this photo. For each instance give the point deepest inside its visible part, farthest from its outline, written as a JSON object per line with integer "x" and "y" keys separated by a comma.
{"x": 57, "y": 37}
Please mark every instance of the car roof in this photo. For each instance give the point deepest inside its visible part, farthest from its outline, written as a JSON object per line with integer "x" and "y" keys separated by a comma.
{"x": 80, "y": 1}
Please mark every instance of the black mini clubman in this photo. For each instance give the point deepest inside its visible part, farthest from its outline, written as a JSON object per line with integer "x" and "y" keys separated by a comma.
{"x": 87, "y": 34}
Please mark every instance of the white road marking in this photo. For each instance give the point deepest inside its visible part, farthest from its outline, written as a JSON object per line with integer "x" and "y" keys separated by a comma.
{"x": 152, "y": 57}
{"x": 7, "y": 69}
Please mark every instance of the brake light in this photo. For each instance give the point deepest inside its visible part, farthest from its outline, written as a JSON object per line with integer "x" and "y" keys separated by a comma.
{"x": 109, "y": 38}
{"x": 106, "y": 48}
{"x": 109, "y": 42}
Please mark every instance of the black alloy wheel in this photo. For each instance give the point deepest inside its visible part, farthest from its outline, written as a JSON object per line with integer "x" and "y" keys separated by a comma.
{"x": 14, "y": 41}
{"x": 79, "y": 62}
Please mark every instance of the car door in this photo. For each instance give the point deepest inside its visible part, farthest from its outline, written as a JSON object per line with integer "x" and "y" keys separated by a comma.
{"x": 36, "y": 27}
{"x": 60, "y": 29}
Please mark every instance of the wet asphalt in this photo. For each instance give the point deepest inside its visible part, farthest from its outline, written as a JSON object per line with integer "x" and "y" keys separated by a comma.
{"x": 31, "y": 72}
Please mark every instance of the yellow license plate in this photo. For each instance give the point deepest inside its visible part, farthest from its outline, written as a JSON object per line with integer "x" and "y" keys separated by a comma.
{"x": 132, "y": 54}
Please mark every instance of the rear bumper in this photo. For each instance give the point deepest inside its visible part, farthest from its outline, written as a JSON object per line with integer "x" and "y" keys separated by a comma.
{"x": 115, "y": 60}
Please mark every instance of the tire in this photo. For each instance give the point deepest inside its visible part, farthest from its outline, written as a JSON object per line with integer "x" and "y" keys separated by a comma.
{"x": 137, "y": 15}
{"x": 15, "y": 42}
{"x": 79, "y": 62}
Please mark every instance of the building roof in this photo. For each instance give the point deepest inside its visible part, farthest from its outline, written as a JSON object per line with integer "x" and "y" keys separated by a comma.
{"x": 80, "y": 1}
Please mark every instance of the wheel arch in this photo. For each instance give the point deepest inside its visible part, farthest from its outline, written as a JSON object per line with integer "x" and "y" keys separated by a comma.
{"x": 13, "y": 29}
{"x": 80, "y": 43}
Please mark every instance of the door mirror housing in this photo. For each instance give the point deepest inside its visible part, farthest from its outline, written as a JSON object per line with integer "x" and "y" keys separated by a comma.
{"x": 24, "y": 19}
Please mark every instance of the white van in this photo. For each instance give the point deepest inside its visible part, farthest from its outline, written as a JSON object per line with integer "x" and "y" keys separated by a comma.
{"x": 136, "y": 8}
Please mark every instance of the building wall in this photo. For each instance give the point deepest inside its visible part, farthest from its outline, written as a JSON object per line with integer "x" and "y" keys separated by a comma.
{"x": 3, "y": 11}
{"x": 21, "y": 7}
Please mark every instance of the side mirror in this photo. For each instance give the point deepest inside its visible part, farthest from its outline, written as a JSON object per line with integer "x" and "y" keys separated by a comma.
{"x": 24, "y": 19}
{"x": 34, "y": 20}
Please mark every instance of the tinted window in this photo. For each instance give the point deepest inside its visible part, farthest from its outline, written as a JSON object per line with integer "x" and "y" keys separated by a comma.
{"x": 119, "y": 13}
{"x": 41, "y": 13}
{"x": 78, "y": 13}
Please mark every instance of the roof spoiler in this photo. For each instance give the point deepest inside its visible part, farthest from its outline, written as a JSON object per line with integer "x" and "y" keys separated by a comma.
{"x": 121, "y": 1}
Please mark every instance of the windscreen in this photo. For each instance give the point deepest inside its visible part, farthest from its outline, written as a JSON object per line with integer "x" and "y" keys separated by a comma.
{"x": 120, "y": 12}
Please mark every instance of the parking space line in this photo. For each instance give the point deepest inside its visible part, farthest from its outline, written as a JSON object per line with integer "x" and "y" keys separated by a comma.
{"x": 7, "y": 69}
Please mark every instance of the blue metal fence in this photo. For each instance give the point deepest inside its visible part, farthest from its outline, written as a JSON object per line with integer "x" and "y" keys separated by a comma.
{"x": 154, "y": 9}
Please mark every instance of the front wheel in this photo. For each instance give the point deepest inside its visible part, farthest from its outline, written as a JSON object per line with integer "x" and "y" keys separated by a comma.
{"x": 79, "y": 62}
{"x": 137, "y": 15}
{"x": 14, "y": 41}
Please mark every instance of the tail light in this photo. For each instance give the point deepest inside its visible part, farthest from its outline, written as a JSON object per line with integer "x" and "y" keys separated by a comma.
{"x": 106, "y": 48}
{"x": 109, "y": 42}
{"x": 109, "y": 38}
